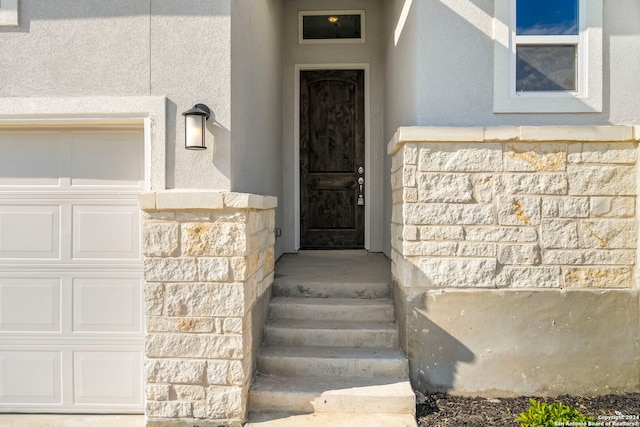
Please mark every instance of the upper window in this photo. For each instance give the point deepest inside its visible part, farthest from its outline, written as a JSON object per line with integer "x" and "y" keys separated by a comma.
{"x": 548, "y": 56}
{"x": 340, "y": 26}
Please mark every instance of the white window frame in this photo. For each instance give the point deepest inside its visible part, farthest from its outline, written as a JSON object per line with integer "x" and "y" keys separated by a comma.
{"x": 303, "y": 13}
{"x": 587, "y": 97}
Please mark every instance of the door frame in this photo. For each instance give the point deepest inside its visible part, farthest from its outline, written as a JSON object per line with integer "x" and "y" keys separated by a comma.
{"x": 367, "y": 149}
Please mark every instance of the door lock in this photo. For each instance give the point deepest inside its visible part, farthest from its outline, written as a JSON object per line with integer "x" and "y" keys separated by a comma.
{"x": 361, "y": 193}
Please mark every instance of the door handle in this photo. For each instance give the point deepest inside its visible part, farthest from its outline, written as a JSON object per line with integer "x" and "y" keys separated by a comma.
{"x": 361, "y": 195}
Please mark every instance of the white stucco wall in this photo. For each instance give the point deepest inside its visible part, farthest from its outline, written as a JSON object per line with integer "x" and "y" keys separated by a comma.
{"x": 357, "y": 53}
{"x": 454, "y": 62}
{"x": 256, "y": 104}
{"x": 96, "y": 48}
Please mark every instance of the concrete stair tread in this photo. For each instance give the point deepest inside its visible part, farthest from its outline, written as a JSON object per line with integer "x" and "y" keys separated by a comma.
{"x": 308, "y": 394}
{"x": 330, "y": 384}
{"x": 329, "y": 419}
{"x": 349, "y": 302}
{"x": 332, "y": 352}
{"x": 331, "y": 325}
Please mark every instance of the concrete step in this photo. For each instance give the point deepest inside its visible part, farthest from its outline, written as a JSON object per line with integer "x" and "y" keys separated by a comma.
{"x": 328, "y": 289}
{"x": 378, "y": 310}
{"x": 330, "y": 420}
{"x": 307, "y": 394}
{"x": 342, "y": 333}
{"x": 333, "y": 361}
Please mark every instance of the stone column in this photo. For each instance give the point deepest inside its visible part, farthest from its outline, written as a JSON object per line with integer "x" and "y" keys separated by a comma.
{"x": 209, "y": 260}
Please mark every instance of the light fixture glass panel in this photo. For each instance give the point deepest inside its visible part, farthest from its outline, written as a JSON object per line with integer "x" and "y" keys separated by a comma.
{"x": 546, "y": 68}
{"x": 546, "y": 17}
{"x": 322, "y": 27}
{"x": 193, "y": 135}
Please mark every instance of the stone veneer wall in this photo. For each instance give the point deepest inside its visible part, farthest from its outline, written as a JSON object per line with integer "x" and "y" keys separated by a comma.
{"x": 209, "y": 261}
{"x": 486, "y": 223}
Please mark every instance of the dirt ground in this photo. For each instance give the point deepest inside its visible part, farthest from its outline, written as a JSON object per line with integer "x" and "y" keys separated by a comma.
{"x": 443, "y": 410}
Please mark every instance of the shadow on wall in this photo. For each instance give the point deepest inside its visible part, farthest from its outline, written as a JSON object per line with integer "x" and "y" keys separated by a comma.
{"x": 433, "y": 352}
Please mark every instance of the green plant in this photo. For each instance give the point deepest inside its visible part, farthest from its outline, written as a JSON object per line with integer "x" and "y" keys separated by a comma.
{"x": 542, "y": 414}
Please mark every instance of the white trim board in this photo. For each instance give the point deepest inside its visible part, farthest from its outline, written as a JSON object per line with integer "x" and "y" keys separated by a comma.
{"x": 149, "y": 111}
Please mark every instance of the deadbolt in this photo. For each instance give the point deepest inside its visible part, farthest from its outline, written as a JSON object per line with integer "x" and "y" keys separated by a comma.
{"x": 360, "y": 170}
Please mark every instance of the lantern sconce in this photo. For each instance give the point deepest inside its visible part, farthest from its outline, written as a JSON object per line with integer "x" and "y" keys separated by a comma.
{"x": 194, "y": 125}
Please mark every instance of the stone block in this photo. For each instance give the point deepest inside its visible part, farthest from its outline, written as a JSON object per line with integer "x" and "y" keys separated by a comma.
{"x": 213, "y": 269}
{"x": 519, "y": 254}
{"x": 429, "y": 248}
{"x": 409, "y": 176}
{"x": 590, "y": 257}
{"x": 193, "y": 216}
{"x": 157, "y": 392}
{"x": 482, "y": 187}
{"x": 602, "y": 180}
{"x": 477, "y": 249}
{"x": 445, "y": 187}
{"x": 603, "y": 152}
{"x": 209, "y": 346}
{"x": 531, "y": 183}
{"x": 575, "y": 133}
{"x": 205, "y": 299}
{"x": 218, "y": 372}
{"x": 159, "y": 238}
{"x": 225, "y": 402}
{"x": 559, "y": 234}
{"x": 168, "y": 409}
{"x": 410, "y": 195}
{"x": 459, "y": 272}
{"x": 153, "y": 299}
{"x": 501, "y": 234}
{"x": 396, "y": 179}
{"x": 159, "y": 215}
{"x": 199, "y": 411}
{"x": 189, "y": 199}
{"x": 269, "y": 260}
{"x": 174, "y": 371}
{"x": 518, "y": 210}
{"x": 249, "y": 201}
{"x": 565, "y": 207}
{"x": 189, "y": 392}
{"x": 147, "y": 201}
{"x": 443, "y": 213}
{"x": 530, "y": 277}
{"x": 501, "y": 133}
{"x": 453, "y": 232}
{"x": 181, "y": 324}
{"x": 239, "y": 372}
{"x": 535, "y": 157}
{"x": 410, "y": 154}
{"x": 460, "y": 157}
{"x": 599, "y": 277}
{"x": 232, "y": 325}
{"x": 410, "y": 233}
{"x": 614, "y": 207}
{"x": 170, "y": 270}
{"x": 609, "y": 233}
{"x": 214, "y": 239}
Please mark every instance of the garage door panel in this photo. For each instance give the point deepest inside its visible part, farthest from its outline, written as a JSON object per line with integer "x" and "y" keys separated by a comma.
{"x": 107, "y": 377}
{"x": 30, "y": 304}
{"x": 29, "y": 231}
{"x": 107, "y": 305}
{"x": 107, "y": 160}
{"x": 30, "y": 159}
{"x": 106, "y": 232}
{"x": 30, "y": 376}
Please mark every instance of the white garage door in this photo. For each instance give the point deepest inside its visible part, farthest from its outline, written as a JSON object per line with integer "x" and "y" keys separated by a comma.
{"x": 71, "y": 316}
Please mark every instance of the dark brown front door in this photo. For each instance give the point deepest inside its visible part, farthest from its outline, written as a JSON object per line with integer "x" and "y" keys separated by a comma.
{"x": 331, "y": 153}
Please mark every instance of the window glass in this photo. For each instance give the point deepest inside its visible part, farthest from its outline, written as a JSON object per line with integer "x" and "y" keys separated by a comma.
{"x": 547, "y": 17}
{"x": 318, "y": 27}
{"x": 546, "y": 68}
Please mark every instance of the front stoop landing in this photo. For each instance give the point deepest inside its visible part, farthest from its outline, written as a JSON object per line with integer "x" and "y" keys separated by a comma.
{"x": 331, "y": 354}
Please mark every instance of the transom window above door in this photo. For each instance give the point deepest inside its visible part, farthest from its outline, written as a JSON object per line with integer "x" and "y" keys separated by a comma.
{"x": 337, "y": 26}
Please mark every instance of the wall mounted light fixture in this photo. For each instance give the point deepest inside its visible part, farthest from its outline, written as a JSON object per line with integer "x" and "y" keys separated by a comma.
{"x": 194, "y": 126}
